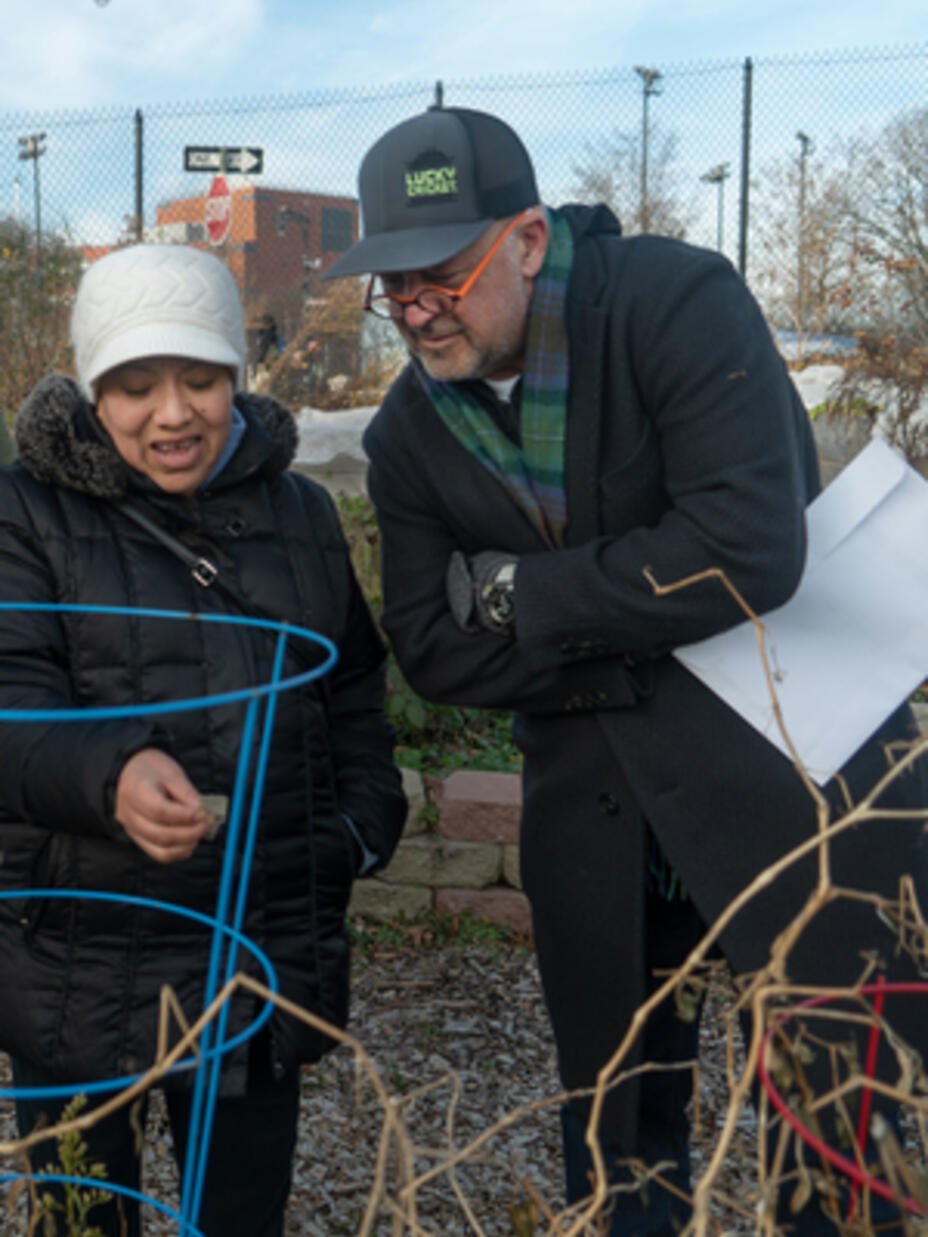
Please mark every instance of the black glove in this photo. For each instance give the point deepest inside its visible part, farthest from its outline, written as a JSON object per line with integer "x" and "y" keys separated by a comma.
{"x": 481, "y": 591}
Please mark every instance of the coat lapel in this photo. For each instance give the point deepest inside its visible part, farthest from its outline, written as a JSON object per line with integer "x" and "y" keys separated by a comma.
{"x": 583, "y": 464}
{"x": 481, "y": 509}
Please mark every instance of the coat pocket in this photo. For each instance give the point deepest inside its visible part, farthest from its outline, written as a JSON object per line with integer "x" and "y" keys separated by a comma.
{"x": 27, "y": 862}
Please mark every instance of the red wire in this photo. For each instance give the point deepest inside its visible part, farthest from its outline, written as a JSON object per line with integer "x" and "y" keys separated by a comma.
{"x": 866, "y": 1099}
{"x": 835, "y": 1158}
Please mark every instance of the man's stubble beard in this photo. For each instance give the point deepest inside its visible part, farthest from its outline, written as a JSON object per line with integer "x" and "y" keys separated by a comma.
{"x": 500, "y": 355}
{"x": 477, "y": 363}
{"x": 472, "y": 360}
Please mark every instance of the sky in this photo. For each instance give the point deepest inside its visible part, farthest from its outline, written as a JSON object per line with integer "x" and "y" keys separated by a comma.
{"x": 560, "y": 71}
{"x": 88, "y": 54}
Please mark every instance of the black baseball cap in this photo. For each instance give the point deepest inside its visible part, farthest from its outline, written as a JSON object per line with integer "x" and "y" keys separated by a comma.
{"x": 431, "y": 185}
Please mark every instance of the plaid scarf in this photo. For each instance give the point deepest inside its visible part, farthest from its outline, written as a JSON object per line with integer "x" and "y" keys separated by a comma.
{"x": 533, "y": 473}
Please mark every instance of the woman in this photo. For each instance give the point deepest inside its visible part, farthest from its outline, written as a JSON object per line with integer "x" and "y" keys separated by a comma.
{"x": 158, "y": 425}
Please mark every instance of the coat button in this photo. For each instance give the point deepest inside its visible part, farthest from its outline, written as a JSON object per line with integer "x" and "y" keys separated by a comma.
{"x": 609, "y": 805}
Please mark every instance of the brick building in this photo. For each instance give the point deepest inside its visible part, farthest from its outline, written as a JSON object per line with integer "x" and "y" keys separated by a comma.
{"x": 279, "y": 244}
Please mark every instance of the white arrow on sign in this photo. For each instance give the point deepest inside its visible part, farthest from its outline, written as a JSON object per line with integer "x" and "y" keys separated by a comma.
{"x": 242, "y": 159}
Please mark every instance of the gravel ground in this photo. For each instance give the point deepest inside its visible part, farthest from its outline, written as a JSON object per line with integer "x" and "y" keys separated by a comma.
{"x": 460, "y": 1040}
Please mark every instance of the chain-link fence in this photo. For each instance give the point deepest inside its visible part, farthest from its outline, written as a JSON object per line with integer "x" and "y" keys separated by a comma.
{"x": 729, "y": 154}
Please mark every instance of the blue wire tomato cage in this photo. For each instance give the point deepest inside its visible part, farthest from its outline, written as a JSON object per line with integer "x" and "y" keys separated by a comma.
{"x": 225, "y": 926}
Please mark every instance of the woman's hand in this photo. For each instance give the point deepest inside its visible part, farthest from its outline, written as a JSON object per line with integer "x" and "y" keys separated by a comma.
{"x": 159, "y": 807}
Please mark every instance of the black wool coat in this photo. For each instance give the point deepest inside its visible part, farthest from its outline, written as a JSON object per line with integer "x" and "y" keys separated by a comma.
{"x": 88, "y": 974}
{"x": 687, "y": 447}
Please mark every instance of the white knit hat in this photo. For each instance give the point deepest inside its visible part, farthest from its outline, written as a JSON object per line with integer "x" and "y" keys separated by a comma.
{"x": 156, "y": 300}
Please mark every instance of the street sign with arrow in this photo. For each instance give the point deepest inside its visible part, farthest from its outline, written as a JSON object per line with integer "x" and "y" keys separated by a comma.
{"x": 248, "y": 160}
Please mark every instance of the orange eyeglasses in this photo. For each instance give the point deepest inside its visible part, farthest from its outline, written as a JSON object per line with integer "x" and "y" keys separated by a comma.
{"x": 433, "y": 298}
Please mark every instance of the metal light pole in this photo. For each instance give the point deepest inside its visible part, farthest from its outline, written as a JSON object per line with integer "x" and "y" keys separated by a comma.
{"x": 649, "y": 80}
{"x": 805, "y": 149}
{"x": 718, "y": 176}
{"x": 31, "y": 148}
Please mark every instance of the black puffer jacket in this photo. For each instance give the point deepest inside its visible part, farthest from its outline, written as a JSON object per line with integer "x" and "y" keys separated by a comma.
{"x": 87, "y": 973}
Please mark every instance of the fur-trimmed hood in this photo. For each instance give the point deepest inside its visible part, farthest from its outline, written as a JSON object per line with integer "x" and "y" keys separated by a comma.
{"x": 62, "y": 442}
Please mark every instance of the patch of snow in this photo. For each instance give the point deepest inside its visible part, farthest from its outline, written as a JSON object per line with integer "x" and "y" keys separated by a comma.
{"x": 815, "y": 383}
{"x": 326, "y": 435}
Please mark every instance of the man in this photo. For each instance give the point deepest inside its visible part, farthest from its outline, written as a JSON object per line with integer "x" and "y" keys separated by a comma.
{"x": 584, "y": 414}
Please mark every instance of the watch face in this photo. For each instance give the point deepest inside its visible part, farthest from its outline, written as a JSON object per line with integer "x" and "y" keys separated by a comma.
{"x": 501, "y": 605}
{"x": 499, "y": 602}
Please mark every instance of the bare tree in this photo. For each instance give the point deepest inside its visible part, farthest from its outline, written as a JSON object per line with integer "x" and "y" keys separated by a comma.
{"x": 331, "y": 360}
{"x": 610, "y": 172}
{"x": 888, "y": 207}
{"x": 804, "y": 244}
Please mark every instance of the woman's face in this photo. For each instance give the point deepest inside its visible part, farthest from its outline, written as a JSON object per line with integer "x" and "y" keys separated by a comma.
{"x": 168, "y": 417}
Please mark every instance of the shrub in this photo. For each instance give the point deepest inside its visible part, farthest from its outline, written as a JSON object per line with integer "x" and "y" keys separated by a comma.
{"x": 36, "y": 290}
{"x": 434, "y": 738}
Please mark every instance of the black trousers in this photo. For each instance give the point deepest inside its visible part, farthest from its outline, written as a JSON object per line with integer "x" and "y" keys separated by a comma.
{"x": 249, "y": 1167}
{"x": 672, "y": 929}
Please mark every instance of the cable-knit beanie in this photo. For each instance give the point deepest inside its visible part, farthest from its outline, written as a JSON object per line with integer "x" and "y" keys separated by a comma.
{"x": 156, "y": 300}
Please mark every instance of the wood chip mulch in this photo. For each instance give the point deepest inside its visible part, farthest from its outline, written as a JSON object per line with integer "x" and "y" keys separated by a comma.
{"x": 460, "y": 1040}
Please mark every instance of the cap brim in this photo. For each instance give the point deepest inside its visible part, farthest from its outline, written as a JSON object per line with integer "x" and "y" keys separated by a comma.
{"x": 163, "y": 339}
{"x": 413, "y": 249}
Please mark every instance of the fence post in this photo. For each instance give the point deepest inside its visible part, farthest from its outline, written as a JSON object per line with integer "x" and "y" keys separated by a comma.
{"x": 746, "y": 116}
{"x": 139, "y": 196}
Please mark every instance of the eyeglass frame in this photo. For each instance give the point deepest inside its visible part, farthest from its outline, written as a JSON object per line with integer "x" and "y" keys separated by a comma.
{"x": 454, "y": 295}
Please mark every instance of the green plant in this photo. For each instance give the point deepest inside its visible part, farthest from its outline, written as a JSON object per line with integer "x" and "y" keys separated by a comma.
{"x": 429, "y": 814}
{"x": 75, "y": 1202}
{"x": 431, "y": 930}
{"x": 369, "y": 937}
{"x": 433, "y": 738}
{"x": 469, "y": 929}
{"x": 359, "y": 524}
{"x": 439, "y": 738}
{"x": 398, "y": 1082}
{"x": 856, "y": 407}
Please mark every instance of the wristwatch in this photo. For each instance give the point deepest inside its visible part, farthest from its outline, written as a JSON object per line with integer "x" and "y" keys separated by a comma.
{"x": 498, "y": 596}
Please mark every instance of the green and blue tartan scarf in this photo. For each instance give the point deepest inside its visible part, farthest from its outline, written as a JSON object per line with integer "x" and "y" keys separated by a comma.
{"x": 534, "y": 472}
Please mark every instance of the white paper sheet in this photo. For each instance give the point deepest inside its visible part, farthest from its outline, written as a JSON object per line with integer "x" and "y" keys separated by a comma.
{"x": 852, "y": 643}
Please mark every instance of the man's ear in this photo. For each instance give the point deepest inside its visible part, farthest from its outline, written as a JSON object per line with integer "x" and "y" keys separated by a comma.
{"x": 533, "y": 237}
